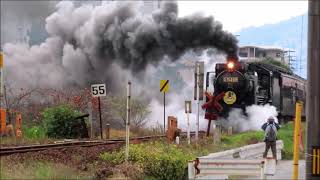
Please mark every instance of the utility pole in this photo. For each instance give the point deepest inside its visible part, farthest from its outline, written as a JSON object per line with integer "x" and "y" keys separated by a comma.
{"x": 313, "y": 89}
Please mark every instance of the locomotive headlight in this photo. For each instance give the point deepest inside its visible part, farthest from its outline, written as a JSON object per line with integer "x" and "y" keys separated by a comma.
{"x": 230, "y": 65}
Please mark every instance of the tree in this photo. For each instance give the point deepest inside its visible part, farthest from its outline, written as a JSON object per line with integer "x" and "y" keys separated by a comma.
{"x": 269, "y": 60}
{"x": 139, "y": 110}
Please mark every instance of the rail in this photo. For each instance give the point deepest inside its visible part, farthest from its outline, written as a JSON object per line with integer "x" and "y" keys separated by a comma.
{"x": 31, "y": 148}
{"x": 77, "y": 143}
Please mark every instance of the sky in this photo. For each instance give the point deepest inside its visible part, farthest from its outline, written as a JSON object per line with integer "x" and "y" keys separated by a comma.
{"x": 236, "y": 15}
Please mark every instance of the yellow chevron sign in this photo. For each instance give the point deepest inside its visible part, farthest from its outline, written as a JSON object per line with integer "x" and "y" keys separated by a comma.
{"x": 315, "y": 161}
{"x": 164, "y": 86}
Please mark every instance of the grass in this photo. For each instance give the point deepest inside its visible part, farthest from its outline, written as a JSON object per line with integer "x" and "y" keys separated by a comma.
{"x": 30, "y": 135}
{"x": 286, "y": 134}
{"x": 242, "y": 139}
{"x": 117, "y": 133}
{"x": 39, "y": 170}
{"x": 250, "y": 137}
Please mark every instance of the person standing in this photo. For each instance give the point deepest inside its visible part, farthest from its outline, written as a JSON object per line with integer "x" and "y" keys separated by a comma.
{"x": 270, "y": 137}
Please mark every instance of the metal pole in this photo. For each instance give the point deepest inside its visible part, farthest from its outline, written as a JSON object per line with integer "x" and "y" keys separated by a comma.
{"x": 1, "y": 78}
{"x": 128, "y": 120}
{"x": 100, "y": 118}
{"x": 164, "y": 112}
{"x": 297, "y": 135}
{"x": 313, "y": 83}
{"x": 2, "y": 107}
{"x": 198, "y": 101}
{"x": 188, "y": 123}
{"x": 1, "y": 81}
{"x": 90, "y": 118}
{"x": 209, "y": 126}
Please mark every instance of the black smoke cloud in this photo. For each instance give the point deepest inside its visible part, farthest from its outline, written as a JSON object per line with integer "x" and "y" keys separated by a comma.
{"x": 90, "y": 43}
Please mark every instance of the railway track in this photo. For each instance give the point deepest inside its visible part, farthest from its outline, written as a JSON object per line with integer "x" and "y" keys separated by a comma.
{"x": 72, "y": 144}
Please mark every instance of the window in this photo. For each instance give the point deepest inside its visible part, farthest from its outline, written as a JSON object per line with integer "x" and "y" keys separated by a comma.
{"x": 243, "y": 54}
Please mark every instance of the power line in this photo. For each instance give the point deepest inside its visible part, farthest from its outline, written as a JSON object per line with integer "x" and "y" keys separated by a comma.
{"x": 301, "y": 35}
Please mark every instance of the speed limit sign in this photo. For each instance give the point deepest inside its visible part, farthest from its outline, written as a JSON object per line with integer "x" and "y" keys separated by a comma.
{"x": 98, "y": 90}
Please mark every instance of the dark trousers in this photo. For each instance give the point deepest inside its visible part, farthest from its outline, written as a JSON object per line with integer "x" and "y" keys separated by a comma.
{"x": 271, "y": 145}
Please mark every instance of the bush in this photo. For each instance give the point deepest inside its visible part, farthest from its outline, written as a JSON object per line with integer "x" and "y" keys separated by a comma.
{"x": 159, "y": 160}
{"x": 269, "y": 60}
{"x": 59, "y": 122}
{"x": 35, "y": 132}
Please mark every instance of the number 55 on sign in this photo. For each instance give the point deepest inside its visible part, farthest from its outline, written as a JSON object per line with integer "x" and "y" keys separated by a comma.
{"x": 98, "y": 90}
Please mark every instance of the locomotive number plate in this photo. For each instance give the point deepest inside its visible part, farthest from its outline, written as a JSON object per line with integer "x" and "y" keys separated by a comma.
{"x": 230, "y": 79}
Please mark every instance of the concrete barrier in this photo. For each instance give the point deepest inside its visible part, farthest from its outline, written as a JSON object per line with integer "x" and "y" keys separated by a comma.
{"x": 249, "y": 151}
{"x": 246, "y": 160}
{"x": 211, "y": 168}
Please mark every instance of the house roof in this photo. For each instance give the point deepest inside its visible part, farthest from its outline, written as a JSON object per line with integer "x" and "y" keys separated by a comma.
{"x": 267, "y": 47}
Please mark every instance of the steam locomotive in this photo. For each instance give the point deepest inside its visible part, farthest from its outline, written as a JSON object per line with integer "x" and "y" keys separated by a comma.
{"x": 240, "y": 84}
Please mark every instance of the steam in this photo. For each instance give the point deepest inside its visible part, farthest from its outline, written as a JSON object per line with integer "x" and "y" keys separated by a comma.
{"x": 114, "y": 42}
{"x": 177, "y": 96}
{"x": 256, "y": 116}
{"x": 87, "y": 43}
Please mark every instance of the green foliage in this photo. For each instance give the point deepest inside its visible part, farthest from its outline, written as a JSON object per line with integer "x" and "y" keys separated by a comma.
{"x": 35, "y": 132}
{"x": 59, "y": 122}
{"x": 43, "y": 171}
{"x": 33, "y": 169}
{"x": 269, "y": 60}
{"x": 160, "y": 160}
{"x": 242, "y": 139}
{"x": 286, "y": 134}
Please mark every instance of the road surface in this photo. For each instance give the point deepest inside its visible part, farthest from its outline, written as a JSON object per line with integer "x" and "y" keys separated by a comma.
{"x": 285, "y": 169}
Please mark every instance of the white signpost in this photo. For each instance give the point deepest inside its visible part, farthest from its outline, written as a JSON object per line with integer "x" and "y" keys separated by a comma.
{"x": 99, "y": 90}
{"x": 198, "y": 90}
{"x": 128, "y": 120}
{"x": 188, "y": 110}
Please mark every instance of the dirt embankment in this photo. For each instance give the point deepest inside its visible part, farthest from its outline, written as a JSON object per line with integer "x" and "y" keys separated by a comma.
{"x": 84, "y": 159}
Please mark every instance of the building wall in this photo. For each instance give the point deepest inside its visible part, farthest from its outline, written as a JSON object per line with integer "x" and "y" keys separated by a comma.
{"x": 275, "y": 54}
{"x": 255, "y": 53}
{"x": 150, "y": 6}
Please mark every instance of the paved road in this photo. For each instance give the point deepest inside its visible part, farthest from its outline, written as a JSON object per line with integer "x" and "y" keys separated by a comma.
{"x": 285, "y": 169}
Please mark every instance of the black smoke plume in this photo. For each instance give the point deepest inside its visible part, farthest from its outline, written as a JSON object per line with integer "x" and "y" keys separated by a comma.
{"x": 86, "y": 43}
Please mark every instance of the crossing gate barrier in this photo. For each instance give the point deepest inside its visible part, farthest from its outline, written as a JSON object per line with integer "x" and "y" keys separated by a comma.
{"x": 246, "y": 160}
{"x": 248, "y": 152}
{"x": 211, "y": 168}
